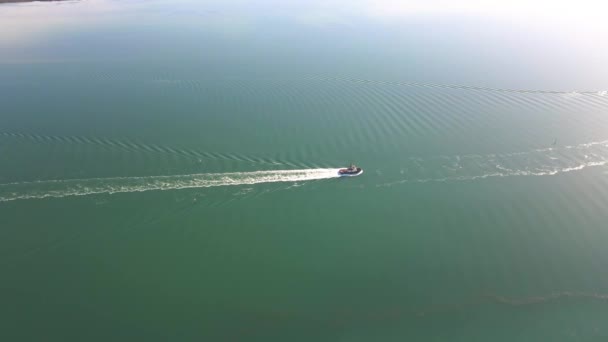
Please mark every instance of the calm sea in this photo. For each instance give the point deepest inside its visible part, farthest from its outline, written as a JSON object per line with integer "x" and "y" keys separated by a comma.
{"x": 168, "y": 172}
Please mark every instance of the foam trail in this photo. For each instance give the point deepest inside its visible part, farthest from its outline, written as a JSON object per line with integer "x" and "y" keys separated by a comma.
{"x": 82, "y": 187}
{"x": 549, "y": 161}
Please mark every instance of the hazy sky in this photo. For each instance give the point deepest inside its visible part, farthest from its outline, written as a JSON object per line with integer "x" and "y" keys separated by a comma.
{"x": 578, "y": 17}
{"x": 564, "y": 36}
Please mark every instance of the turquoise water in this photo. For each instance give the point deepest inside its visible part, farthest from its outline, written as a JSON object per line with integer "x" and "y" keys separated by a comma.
{"x": 168, "y": 172}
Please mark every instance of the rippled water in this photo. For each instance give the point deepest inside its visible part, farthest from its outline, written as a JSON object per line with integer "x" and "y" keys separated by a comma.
{"x": 168, "y": 171}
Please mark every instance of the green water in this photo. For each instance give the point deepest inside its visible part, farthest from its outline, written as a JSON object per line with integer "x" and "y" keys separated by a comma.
{"x": 168, "y": 173}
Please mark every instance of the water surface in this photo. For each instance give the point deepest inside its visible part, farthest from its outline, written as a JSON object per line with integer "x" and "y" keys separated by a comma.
{"x": 168, "y": 172}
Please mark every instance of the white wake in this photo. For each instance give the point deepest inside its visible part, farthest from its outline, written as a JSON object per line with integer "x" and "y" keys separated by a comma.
{"x": 91, "y": 186}
{"x": 539, "y": 162}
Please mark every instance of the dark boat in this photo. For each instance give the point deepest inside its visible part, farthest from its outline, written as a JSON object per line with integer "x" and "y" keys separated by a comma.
{"x": 350, "y": 171}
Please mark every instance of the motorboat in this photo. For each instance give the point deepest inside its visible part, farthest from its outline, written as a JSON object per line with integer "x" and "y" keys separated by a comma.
{"x": 350, "y": 171}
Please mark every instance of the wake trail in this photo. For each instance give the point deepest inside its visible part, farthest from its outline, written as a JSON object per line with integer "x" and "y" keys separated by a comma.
{"x": 128, "y": 145}
{"x": 92, "y": 186}
{"x": 468, "y": 304}
{"x": 198, "y": 83}
{"x": 600, "y": 93}
{"x": 539, "y": 162}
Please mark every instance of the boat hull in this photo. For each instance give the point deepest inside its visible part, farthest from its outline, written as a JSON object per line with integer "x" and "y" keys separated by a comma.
{"x": 346, "y": 173}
